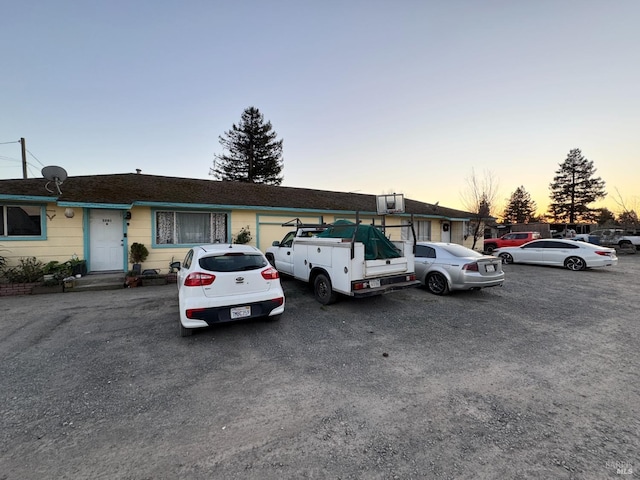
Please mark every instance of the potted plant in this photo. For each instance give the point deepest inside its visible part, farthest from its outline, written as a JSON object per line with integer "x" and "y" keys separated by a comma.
{"x": 78, "y": 267}
{"x": 138, "y": 253}
{"x": 132, "y": 279}
{"x": 244, "y": 236}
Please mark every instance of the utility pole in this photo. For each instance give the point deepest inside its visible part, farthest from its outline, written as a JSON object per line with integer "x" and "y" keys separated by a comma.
{"x": 24, "y": 158}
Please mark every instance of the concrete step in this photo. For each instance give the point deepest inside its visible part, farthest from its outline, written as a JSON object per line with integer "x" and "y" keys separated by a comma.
{"x": 96, "y": 281}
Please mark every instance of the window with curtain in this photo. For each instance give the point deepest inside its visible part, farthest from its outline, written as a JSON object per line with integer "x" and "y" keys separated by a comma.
{"x": 422, "y": 229}
{"x": 20, "y": 221}
{"x": 190, "y": 228}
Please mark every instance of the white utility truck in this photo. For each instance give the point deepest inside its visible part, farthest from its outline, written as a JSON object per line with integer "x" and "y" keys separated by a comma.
{"x": 612, "y": 237}
{"x": 345, "y": 257}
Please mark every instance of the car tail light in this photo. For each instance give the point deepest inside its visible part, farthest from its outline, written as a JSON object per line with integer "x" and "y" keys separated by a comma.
{"x": 270, "y": 274}
{"x": 603, "y": 253}
{"x": 199, "y": 279}
{"x": 191, "y": 312}
{"x": 471, "y": 267}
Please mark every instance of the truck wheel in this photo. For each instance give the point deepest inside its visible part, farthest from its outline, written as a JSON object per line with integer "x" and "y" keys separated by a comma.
{"x": 489, "y": 248}
{"x": 322, "y": 290}
{"x": 625, "y": 244}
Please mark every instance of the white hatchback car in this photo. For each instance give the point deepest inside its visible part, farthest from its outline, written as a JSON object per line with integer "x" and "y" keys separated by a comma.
{"x": 226, "y": 282}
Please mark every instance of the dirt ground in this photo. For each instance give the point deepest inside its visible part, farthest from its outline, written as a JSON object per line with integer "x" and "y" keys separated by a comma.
{"x": 538, "y": 379}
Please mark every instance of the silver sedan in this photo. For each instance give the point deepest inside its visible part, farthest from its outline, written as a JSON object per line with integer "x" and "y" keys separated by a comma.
{"x": 443, "y": 267}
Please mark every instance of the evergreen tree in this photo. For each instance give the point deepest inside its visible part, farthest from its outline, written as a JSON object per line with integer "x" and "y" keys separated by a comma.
{"x": 573, "y": 188}
{"x": 629, "y": 220}
{"x": 605, "y": 217}
{"x": 521, "y": 208}
{"x": 252, "y": 153}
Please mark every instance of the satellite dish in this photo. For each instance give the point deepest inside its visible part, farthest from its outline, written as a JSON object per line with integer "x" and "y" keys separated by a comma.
{"x": 54, "y": 174}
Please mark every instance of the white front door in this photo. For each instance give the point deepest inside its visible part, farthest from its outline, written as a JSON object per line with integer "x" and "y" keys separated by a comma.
{"x": 106, "y": 240}
{"x": 446, "y": 233}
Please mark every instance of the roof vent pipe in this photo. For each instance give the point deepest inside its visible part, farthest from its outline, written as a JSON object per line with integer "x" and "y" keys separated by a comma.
{"x": 138, "y": 171}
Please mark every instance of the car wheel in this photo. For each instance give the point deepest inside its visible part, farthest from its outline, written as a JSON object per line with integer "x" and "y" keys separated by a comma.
{"x": 625, "y": 244}
{"x": 437, "y": 284}
{"x": 323, "y": 291}
{"x": 489, "y": 249}
{"x": 184, "y": 332}
{"x": 575, "y": 264}
{"x": 506, "y": 258}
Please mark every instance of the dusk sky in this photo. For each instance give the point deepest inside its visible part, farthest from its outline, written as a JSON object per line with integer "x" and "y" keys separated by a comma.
{"x": 369, "y": 96}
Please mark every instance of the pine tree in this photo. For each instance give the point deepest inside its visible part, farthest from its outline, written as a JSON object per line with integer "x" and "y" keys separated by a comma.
{"x": 252, "y": 153}
{"x": 573, "y": 188}
{"x": 605, "y": 217}
{"x": 629, "y": 220}
{"x": 521, "y": 208}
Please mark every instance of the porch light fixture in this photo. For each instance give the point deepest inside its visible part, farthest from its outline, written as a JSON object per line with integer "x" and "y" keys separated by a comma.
{"x": 69, "y": 213}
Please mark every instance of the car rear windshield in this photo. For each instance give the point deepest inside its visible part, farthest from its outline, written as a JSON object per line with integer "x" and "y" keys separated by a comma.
{"x": 233, "y": 262}
{"x": 460, "y": 251}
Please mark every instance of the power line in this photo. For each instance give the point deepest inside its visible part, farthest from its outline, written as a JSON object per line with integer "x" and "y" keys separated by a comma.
{"x": 35, "y": 157}
{"x": 6, "y": 143}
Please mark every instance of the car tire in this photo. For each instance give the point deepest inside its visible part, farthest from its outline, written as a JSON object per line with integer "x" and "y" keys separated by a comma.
{"x": 185, "y": 332}
{"x": 625, "y": 244}
{"x": 489, "y": 248}
{"x": 575, "y": 264}
{"x": 506, "y": 258}
{"x": 437, "y": 284}
{"x": 323, "y": 291}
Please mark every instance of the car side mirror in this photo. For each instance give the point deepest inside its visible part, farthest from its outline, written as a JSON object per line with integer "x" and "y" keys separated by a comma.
{"x": 175, "y": 265}
{"x": 276, "y": 243}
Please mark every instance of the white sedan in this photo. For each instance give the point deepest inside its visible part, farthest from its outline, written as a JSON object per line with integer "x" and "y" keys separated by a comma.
{"x": 226, "y": 282}
{"x": 562, "y": 253}
{"x": 442, "y": 267}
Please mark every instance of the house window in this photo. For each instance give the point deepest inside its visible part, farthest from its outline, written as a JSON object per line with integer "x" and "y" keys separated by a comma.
{"x": 422, "y": 229}
{"x": 20, "y": 221}
{"x": 190, "y": 228}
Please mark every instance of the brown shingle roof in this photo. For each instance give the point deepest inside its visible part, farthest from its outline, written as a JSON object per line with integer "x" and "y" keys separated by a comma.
{"x": 129, "y": 188}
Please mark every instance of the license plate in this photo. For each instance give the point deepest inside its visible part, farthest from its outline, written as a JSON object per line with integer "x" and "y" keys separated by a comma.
{"x": 491, "y": 268}
{"x": 240, "y": 312}
{"x": 374, "y": 283}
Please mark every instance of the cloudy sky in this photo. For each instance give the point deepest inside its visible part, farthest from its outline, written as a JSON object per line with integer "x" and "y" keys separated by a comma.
{"x": 370, "y": 96}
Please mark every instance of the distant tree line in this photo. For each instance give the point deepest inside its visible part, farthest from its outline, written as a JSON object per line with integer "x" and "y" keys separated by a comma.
{"x": 574, "y": 187}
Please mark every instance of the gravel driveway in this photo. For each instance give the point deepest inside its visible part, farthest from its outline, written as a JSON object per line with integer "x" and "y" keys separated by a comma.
{"x": 538, "y": 379}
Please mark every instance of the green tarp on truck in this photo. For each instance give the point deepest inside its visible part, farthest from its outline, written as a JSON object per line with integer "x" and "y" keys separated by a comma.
{"x": 376, "y": 245}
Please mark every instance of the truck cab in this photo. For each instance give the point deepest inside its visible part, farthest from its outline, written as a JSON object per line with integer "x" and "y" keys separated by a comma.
{"x": 279, "y": 254}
